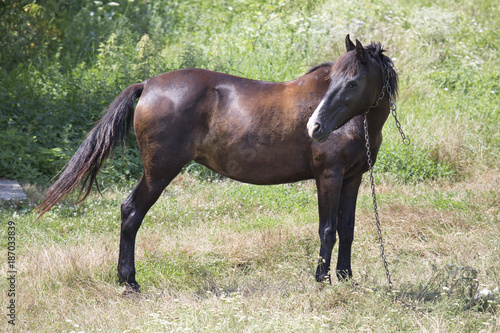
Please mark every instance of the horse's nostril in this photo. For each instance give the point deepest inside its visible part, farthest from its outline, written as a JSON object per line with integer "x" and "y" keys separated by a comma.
{"x": 316, "y": 128}
{"x": 317, "y": 134}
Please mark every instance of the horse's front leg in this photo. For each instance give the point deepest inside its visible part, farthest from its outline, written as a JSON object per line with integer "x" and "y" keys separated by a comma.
{"x": 345, "y": 227}
{"x": 329, "y": 185}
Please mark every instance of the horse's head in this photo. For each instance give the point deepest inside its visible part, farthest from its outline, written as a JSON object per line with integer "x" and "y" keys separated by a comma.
{"x": 357, "y": 78}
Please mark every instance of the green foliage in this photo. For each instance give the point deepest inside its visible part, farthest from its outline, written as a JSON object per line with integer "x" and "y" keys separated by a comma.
{"x": 411, "y": 164}
{"x": 63, "y": 62}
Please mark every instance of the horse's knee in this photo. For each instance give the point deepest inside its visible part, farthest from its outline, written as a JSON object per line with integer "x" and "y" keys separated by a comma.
{"x": 328, "y": 236}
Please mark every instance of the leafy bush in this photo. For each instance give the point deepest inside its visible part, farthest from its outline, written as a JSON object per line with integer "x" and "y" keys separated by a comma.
{"x": 64, "y": 62}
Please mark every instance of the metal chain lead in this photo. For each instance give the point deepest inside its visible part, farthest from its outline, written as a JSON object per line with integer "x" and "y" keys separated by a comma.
{"x": 374, "y": 197}
{"x": 406, "y": 141}
{"x": 393, "y": 107}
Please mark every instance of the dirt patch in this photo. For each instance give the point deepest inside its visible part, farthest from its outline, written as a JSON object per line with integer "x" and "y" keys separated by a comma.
{"x": 11, "y": 190}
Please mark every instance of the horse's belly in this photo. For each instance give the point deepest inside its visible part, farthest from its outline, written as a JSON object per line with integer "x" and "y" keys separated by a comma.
{"x": 259, "y": 165}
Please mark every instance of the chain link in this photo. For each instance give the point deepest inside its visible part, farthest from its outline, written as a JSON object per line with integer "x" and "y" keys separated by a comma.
{"x": 406, "y": 141}
{"x": 375, "y": 207}
{"x": 393, "y": 107}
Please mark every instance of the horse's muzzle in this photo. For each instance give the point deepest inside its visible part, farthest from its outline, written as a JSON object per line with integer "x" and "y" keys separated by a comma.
{"x": 316, "y": 132}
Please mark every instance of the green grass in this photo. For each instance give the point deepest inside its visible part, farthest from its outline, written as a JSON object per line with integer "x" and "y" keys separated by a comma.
{"x": 219, "y": 255}
{"x": 446, "y": 56}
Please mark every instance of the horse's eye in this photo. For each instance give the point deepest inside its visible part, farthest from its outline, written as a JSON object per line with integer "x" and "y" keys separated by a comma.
{"x": 352, "y": 84}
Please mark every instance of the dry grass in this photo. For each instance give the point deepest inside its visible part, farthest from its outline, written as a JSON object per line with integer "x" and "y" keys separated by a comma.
{"x": 212, "y": 274}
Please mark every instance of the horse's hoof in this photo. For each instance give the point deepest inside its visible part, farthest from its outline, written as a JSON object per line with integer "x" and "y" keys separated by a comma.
{"x": 131, "y": 289}
{"x": 344, "y": 275}
{"x": 324, "y": 278}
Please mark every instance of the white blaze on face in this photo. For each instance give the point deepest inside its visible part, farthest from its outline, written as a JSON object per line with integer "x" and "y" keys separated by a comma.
{"x": 311, "y": 124}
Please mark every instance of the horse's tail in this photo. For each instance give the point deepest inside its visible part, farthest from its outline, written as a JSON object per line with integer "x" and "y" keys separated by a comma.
{"x": 84, "y": 166}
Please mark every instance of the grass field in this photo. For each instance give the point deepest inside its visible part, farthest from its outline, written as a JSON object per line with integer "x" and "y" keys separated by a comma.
{"x": 217, "y": 255}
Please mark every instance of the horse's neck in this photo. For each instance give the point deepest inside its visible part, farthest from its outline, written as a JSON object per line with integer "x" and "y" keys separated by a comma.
{"x": 377, "y": 117}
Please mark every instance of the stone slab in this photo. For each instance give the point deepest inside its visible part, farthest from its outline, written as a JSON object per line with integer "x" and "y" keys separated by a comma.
{"x": 10, "y": 189}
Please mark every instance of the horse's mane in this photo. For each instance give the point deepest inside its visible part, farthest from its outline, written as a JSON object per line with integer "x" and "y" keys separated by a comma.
{"x": 325, "y": 64}
{"x": 349, "y": 63}
{"x": 376, "y": 51}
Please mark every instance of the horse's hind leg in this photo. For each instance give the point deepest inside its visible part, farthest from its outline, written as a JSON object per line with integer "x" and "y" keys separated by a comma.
{"x": 133, "y": 210}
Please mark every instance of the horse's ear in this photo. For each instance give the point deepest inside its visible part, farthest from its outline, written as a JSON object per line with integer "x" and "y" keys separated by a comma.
{"x": 348, "y": 44}
{"x": 360, "y": 51}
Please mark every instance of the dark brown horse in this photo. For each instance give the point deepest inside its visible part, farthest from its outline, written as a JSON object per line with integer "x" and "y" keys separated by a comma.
{"x": 252, "y": 131}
